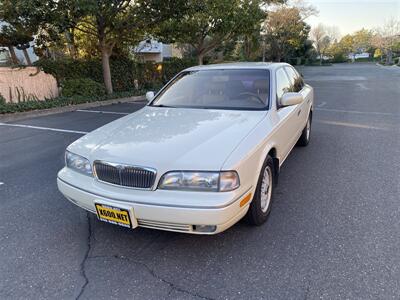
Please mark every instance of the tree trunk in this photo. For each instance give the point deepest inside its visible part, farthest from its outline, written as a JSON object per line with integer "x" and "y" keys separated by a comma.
{"x": 70, "y": 38}
{"x": 200, "y": 58}
{"x": 27, "y": 58}
{"x": 105, "y": 61}
{"x": 263, "y": 50}
{"x": 14, "y": 57}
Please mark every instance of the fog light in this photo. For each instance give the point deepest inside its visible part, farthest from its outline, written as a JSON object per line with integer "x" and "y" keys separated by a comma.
{"x": 204, "y": 228}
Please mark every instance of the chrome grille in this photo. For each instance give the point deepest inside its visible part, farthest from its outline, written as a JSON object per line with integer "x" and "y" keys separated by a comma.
{"x": 129, "y": 176}
{"x": 165, "y": 225}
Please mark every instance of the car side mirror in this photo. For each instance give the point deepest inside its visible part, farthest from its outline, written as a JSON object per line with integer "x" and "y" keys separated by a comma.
{"x": 149, "y": 96}
{"x": 289, "y": 99}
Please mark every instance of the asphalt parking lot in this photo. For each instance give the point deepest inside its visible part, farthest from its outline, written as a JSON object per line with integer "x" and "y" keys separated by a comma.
{"x": 334, "y": 231}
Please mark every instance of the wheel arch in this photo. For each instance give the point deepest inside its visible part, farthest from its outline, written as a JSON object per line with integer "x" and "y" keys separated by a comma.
{"x": 272, "y": 152}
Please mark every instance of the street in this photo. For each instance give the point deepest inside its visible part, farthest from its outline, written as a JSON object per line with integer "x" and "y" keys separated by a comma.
{"x": 333, "y": 233}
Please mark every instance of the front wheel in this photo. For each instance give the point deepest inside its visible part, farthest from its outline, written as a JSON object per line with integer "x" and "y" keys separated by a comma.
{"x": 305, "y": 135}
{"x": 260, "y": 207}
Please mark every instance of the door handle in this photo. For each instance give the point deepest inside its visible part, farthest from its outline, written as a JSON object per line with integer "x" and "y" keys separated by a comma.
{"x": 298, "y": 113}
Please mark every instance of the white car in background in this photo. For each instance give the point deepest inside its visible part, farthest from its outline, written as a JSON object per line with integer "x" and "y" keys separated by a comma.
{"x": 204, "y": 153}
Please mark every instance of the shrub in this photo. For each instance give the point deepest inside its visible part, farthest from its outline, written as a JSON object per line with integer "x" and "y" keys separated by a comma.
{"x": 59, "y": 102}
{"x": 174, "y": 65}
{"x": 126, "y": 74}
{"x": 82, "y": 87}
{"x": 339, "y": 58}
{"x": 2, "y": 100}
{"x": 364, "y": 59}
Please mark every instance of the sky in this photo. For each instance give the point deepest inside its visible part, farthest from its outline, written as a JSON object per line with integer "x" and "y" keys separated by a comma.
{"x": 352, "y": 15}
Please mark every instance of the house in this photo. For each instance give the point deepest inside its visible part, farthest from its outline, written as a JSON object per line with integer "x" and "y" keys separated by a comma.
{"x": 358, "y": 55}
{"x": 152, "y": 50}
{"x": 5, "y": 55}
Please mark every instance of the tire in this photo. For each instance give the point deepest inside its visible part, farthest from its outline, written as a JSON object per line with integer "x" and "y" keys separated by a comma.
{"x": 260, "y": 207}
{"x": 305, "y": 134}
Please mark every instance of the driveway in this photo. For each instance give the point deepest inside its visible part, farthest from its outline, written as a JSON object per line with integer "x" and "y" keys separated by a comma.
{"x": 334, "y": 231}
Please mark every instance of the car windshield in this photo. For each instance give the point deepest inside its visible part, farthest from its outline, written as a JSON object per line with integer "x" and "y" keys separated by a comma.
{"x": 245, "y": 89}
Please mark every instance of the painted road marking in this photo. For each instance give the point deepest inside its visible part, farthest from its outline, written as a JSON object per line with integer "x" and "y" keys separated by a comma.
{"x": 336, "y": 78}
{"x": 102, "y": 112}
{"x": 42, "y": 128}
{"x": 321, "y": 104}
{"x": 1, "y": 183}
{"x": 354, "y": 125}
{"x": 356, "y": 112}
{"x": 362, "y": 86}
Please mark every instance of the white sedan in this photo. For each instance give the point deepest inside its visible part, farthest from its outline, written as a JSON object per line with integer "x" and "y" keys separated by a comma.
{"x": 204, "y": 153}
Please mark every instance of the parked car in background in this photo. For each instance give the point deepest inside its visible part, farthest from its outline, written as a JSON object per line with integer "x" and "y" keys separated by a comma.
{"x": 204, "y": 153}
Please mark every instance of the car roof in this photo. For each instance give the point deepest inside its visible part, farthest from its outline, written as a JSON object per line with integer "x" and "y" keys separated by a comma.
{"x": 238, "y": 65}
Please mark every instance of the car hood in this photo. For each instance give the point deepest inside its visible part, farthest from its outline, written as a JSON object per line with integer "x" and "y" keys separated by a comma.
{"x": 170, "y": 138}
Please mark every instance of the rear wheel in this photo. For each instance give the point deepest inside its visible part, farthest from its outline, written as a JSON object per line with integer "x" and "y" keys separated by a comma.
{"x": 260, "y": 207}
{"x": 305, "y": 135}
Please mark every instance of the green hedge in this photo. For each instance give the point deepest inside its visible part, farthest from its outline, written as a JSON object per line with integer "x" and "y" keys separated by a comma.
{"x": 126, "y": 74}
{"x": 82, "y": 87}
{"x": 61, "y": 101}
{"x": 82, "y": 81}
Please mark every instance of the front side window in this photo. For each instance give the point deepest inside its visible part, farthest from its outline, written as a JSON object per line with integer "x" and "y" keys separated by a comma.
{"x": 283, "y": 85}
{"x": 295, "y": 79}
{"x": 246, "y": 89}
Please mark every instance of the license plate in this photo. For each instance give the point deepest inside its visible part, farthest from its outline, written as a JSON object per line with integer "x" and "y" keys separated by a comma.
{"x": 113, "y": 215}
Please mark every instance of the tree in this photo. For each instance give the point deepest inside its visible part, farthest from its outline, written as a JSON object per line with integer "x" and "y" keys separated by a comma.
{"x": 7, "y": 40}
{"x": 305, "y": 9}
{"x": 387, "y": 37}
{"x": 321, "y": 39}
{"x": 208, "y": 24}
{"x": 106, "y": 23}
{"x": 19, "y": 26}
{"x": 285, "y": 32}
{"x": 362, "y": 40}
{"x": 249, "y": 46}
{"x": 22, "y": 42}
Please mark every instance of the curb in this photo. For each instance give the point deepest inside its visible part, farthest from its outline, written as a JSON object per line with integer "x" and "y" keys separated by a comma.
{"x": 57, "y": 110}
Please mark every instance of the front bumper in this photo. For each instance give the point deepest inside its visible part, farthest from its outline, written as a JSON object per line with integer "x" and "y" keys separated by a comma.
{"x": 166, "y": 210}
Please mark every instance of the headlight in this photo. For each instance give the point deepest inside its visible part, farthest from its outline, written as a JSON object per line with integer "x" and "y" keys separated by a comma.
{"x": 200, "y": 181}
{"x": 78, "y": 163}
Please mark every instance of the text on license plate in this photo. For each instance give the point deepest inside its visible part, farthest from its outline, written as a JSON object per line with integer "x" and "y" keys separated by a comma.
{"x": 114, "y": 215}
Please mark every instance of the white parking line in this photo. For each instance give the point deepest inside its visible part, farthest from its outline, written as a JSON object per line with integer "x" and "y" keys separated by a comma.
{"x": 354, "y": 125}
{"x": 321, "y": 104}
{"x": 356, "y": 112}
{"x": 362, "y": 86}
{"x": 1, "y": 183}
{"x": 42, "y": 128}
{"x": 102, "y": 112}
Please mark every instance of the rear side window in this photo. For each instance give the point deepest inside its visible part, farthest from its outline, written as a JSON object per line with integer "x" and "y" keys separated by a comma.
{"x": 283, "y": 85}
{"x": 295, "y": 79}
